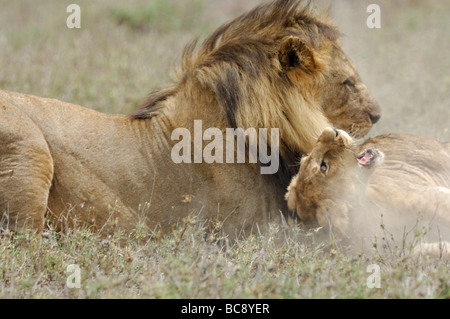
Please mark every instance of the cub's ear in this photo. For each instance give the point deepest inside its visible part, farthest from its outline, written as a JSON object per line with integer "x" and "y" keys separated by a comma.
{"x": 295, "y": 54}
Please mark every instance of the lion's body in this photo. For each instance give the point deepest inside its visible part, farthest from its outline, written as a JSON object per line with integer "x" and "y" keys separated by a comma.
{"x": 279, "y": 66}
{"x": 410, "y": 189}
{"x": 79, "y": 169}
{"x": 91, "y": 165}
{"x": 405, "y": 183}
{"x": 415, "y": 174}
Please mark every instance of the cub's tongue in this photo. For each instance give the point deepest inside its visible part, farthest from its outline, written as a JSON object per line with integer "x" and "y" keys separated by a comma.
{"x": 366, "y": 158}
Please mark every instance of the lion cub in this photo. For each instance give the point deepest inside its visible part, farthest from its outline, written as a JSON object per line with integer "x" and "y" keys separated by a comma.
{"x": 390, "y": 179}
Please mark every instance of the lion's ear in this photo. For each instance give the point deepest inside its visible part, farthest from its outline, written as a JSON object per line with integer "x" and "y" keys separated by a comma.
{"x": 295, "y": 54}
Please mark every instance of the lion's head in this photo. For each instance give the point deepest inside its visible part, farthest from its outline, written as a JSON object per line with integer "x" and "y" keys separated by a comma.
{"x": 278, "y": 66}
{"x": 329, "y": 179}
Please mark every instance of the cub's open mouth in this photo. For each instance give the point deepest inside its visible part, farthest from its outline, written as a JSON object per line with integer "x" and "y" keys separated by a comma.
{"x": 367, "y": 157}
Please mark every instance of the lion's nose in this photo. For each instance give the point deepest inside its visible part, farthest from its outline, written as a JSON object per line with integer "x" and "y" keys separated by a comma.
{"x": 374, "y": 117}
{"x": 374, "y": 112}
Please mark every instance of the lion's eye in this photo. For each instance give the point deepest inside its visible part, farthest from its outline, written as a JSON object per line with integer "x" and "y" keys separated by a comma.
{"x": 324, "y": 168}
{"x": 348, "y": 83}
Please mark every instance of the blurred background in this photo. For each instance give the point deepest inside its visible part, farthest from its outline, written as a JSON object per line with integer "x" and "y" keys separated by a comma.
{"x": 125, "y": 49}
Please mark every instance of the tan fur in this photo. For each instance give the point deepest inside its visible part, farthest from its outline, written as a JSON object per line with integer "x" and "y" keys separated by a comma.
{"x": 278, "y": 66}
{"x": 409, "y": 175}
{"x": 322, "y": 198}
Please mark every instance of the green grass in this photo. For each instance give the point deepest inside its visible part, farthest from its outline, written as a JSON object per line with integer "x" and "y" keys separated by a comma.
{"x": 110, "y": 64}
{"x": 158, "y": 14}
{"x": 126, "y": 49}
{"x": 194, "y": 263}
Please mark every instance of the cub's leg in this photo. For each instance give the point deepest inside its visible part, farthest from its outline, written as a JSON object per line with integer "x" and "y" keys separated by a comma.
{"x": 26, "y": 170}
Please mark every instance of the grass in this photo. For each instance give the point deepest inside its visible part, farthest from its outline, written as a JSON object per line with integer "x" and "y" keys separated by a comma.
{"x": 192, "y": 262}
{"x": 122, "y": 52}
{"x": 158, "y": 14}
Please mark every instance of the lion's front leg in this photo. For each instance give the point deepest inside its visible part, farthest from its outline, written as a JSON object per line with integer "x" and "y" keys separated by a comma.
{"x": 26, "y": 171}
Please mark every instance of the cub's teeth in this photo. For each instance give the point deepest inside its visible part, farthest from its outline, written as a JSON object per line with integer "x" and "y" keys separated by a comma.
{"x": 366, "y": 157}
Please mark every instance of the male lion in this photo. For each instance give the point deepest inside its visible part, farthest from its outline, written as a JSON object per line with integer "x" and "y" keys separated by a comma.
{"x": 345, "y": 187}
{"x": 278, "y": 66}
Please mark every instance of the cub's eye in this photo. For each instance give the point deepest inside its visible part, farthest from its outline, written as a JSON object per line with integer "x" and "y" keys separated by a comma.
{"x": 324, "y": 168}
{"x": 348, "y": 83}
